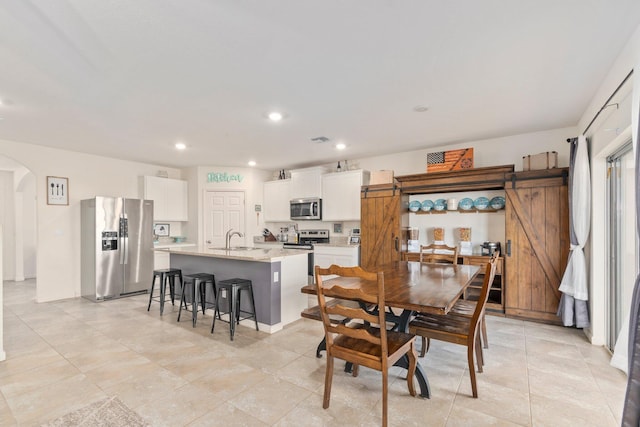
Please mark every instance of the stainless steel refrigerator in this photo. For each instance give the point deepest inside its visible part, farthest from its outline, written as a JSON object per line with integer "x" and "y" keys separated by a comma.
{"x": 117, "y": 247}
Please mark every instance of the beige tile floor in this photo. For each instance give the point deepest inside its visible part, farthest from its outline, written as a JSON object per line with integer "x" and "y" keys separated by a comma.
{"x": 64, "y": 355}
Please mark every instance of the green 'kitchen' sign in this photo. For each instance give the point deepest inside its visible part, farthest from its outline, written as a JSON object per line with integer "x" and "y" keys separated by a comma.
{"x": 224, "y": 177}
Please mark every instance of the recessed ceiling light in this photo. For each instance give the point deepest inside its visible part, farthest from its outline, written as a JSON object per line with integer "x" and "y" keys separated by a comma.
{"x": 274, "y": 116}
{"x": 420, "y": 108}
{"x": 251, "y": 163}
{"x": 180, "y": 145}
{"x": 341, "y": 146}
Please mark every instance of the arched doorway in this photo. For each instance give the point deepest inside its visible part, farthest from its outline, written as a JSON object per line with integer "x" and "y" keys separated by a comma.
{"x": 18, "y": 228}
{"x": 18, "y": 220}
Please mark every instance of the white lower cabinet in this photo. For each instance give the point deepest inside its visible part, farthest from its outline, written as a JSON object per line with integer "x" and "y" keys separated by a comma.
{"x": 344, "y": 256}
{"x": 161, "y": 260}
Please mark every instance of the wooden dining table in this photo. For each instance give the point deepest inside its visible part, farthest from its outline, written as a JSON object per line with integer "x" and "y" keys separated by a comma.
{"x": 414, "y": 287}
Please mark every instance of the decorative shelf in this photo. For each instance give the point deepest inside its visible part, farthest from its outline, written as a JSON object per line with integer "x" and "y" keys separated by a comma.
{"x": 472, "y": 210}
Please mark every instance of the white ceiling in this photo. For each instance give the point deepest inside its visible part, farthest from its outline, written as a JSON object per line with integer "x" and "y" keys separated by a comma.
{"x": 128, "y": 78}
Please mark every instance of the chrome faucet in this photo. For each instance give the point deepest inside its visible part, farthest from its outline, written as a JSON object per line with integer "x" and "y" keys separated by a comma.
{"x": 230, "y": 235}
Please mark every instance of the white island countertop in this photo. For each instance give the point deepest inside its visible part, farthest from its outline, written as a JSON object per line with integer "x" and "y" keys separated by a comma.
{"x": 245, "y": 254}
{"x": 169, "y": 245}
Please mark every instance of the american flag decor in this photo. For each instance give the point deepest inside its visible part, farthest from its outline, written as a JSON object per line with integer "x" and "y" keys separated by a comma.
{"x": 444, "y": 161}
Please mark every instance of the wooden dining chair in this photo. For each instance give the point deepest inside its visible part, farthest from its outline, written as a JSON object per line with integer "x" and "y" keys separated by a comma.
{"x": 458, "y": 329}
{"x": 466, "y": 307}
{"x": 364, "y": 341}
{"x": 439, "y": 253}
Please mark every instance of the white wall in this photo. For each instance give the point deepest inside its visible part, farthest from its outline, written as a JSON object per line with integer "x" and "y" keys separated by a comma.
{"x": 251, "y": 184}
{"x": 7, "y": 221}
{"x": 58, "y": 234}
{"x": 3, "y": 355}
{"x": 488, "y": 152}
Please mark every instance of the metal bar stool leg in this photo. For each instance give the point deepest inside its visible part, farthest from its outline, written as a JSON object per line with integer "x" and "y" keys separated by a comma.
{"x": 238, "y": 297}
{"x": 172, "y": 287}
{"x": 203, "y": 294}
{"x": 153, "y": 282}
{"x": 233, "y": 301}
{"x": 194, "y": 302}
{"x": 163, "y": 287}
{"x": 182, "y": 300}
{"x": 216, "y": 312}
{"x": 253, "y": 305}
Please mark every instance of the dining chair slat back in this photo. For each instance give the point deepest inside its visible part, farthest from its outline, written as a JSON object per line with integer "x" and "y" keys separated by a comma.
{"x": 439, "y": 253}
{"x": 362, "y": 341}
{"x": 459, "y": 329}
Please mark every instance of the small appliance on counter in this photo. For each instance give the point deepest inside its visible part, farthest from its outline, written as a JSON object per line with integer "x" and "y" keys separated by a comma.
{"x": 489, "y": 248}
{"x": 354, "y": 236}
{"x": 283, "y": 236}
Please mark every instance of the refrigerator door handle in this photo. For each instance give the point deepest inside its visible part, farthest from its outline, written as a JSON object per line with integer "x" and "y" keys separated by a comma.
{"x": 122, "y": 240}
{"x": 126, "y": 240}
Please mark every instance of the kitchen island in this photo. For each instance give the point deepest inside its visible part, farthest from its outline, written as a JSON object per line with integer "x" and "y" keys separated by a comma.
{"x": 276, "y": 274}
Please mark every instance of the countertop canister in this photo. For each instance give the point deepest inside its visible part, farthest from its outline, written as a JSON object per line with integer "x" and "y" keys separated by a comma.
{"x": 452, "y": 204}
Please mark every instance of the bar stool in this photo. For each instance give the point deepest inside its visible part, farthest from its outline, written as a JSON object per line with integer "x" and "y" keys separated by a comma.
{"x": 165, "y": 274}
{"x": 233, "y": 288}
{"x": 198, "y": 282}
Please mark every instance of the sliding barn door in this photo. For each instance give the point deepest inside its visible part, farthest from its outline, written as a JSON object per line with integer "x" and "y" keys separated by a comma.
{"x": 537, "y": 235}
{"x": 383, "y": 213}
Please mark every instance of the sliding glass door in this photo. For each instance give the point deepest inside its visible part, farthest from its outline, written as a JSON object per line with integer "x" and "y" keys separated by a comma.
{"x": 621, "y": 238}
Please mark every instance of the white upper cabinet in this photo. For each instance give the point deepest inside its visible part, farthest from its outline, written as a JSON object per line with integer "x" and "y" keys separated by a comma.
{"x": 306, "y": 183}
{"x": 276, "y": 200}
{"x": 341, "y": 195}
{"x": 169, "y": 198}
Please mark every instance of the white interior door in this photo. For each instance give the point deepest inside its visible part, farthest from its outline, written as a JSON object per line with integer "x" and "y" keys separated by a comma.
{"x": 223, "y": 210}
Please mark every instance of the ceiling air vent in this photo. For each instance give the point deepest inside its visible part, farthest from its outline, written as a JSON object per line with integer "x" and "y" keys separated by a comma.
{"x": 320, "y": 139}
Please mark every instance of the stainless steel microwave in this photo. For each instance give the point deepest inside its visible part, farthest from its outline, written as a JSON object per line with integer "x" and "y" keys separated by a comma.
{"x": 306, "y": 209}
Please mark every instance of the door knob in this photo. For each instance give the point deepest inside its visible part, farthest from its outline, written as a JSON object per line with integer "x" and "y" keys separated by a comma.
{"x": 208, "y": 241}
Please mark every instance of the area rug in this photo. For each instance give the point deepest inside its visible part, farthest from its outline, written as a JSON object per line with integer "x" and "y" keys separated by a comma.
{"x": 109, "y": 412}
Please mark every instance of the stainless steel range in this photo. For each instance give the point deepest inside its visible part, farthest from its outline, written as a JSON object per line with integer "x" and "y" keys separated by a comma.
{"x": 306, "y": 240}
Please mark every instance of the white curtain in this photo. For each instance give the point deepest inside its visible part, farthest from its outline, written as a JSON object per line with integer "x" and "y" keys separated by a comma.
{"x": 573, "y": 305}
{"x": 631, "y": 411}
{"x": 620, "y": 358}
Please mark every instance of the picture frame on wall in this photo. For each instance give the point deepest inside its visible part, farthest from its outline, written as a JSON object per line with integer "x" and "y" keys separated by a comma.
{"x": 57, "y": 190}
{"x": 161, "y": 229}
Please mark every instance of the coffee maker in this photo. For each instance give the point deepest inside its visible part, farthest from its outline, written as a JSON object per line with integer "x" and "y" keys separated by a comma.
{"x": 489, "y": 248}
